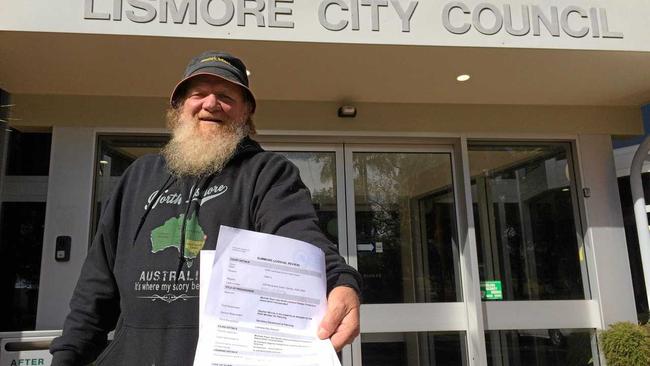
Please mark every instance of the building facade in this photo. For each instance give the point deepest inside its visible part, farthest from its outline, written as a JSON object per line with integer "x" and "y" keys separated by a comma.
{"x": 484, "y": 214}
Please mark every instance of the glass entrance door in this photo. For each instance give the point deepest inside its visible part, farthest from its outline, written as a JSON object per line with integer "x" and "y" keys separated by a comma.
{"x": 392, "y": 211}
{"x": 402, "y": 227}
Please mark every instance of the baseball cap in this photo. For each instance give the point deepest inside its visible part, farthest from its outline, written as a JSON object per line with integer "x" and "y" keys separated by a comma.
{"x": 220, "y": 64}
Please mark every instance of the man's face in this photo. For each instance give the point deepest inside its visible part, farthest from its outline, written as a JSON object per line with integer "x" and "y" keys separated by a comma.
{"x": 206, "y": 127}
{"x": 214, "y": 104}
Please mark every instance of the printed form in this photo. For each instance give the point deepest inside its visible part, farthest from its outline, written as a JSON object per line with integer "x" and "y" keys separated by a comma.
{"x": 262, "y": 298}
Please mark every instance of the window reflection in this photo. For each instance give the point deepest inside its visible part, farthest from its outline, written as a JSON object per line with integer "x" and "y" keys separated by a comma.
{"x": 318, "y": 172}
{"x": 413, "y": 348}
{"x": 525, "y": 218}
{"x": 114, "y": 155}
{"x": 405, "y": 227}
{"x": 569, "y": 347}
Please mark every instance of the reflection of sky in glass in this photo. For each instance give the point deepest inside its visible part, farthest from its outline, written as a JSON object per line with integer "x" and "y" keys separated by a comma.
{"x": 317, "y": 171}
{"x": 519, "y": 172}
{"x": 387, "y": 176}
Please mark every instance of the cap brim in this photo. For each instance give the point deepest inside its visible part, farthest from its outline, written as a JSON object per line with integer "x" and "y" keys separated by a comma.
{"x": 181, "y": 84}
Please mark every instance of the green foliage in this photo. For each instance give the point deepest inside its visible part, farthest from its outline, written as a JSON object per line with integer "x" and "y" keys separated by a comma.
{"x": 626, "y": 344}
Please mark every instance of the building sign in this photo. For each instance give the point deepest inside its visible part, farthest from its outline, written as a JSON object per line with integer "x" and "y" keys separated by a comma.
{"x": 573, "y": 21}
{"x": 337, "y": 15}
{"x": 580, "y": 24}
{"x": 491, "y": 290}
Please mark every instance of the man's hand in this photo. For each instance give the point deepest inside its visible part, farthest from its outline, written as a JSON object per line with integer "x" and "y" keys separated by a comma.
{"x": 341, "y": 321}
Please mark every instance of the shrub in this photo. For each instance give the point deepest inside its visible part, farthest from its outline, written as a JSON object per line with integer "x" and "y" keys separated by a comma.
{"x": 626, "y": 344}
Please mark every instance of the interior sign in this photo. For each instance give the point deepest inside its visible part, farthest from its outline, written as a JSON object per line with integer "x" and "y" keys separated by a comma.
{"x": 491, "y": 290}
{"x": 456, "y": 17}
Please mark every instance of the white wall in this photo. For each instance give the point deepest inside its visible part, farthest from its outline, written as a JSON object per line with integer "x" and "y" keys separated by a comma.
{"x": 606, "y": 248}
{"x": 69, "y": 197}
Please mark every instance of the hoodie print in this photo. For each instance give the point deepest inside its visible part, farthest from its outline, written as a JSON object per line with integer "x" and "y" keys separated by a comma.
{"x": 168, "y": 235}
{"x": 166, "y": 284}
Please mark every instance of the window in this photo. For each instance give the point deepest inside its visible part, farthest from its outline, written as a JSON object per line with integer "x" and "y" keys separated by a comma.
{"x": 525, "y": 214}
{"x": 22, "y": 220}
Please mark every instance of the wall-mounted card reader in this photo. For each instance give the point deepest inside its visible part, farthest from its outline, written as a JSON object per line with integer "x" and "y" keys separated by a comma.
{"x": 62, "y": 251}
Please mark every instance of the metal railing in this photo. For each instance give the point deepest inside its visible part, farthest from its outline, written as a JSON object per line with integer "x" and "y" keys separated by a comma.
{"x": 640, "y": 210}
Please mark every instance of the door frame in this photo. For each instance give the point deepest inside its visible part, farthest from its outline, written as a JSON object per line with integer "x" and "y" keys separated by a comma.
{"x": 385, "y": 318}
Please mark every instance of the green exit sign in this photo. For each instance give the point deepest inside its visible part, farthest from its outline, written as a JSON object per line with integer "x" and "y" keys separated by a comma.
{"x": 491, "y": 290}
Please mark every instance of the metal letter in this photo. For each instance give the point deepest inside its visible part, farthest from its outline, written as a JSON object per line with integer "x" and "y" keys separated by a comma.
{"x": 242, "y": 11}
{"x": 564, "y": 21}
{"x": 90, "y": 14}
{"x": 476, "y": 19}
{"x": 605, "y": 24}
{"x": 374, "y": 11}
{"x": 446, "y": 22}
{"x": 595, "y": 27}
{"x": 178, "y": 16}
{"x": 117, "y": 9}
{"x": 405, "y": 16}
{"x": 525, "y": 21}
{"x": 150, "y": 11}
{"x": 225, "y": 19}
{"x": 354, "y": 14}
{"x": 553, "y": 25}
{"x": 322, "y": 15}
{"x": 274, "y": 10}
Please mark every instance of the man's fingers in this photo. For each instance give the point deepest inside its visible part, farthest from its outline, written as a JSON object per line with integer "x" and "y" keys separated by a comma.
{"x": 347, "y": 331}
{"x": 341, "y": 321}
{"x": 331, "y": 320}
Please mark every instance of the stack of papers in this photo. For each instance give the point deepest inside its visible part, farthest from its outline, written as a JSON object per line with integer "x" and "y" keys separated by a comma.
{"x": 262, "y": 298}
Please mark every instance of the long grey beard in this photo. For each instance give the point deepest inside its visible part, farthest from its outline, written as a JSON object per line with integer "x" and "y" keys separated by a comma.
{"x": 193, "y": 153}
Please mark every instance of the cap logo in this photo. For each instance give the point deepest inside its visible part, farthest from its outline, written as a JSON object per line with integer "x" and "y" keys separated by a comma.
{"x": 216, "y": 59}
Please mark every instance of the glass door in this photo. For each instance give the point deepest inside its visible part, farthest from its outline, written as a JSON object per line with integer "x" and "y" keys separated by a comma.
{"x": 531, "y": 254}
{"x": 402, "y": 236}
{"x": 392, "y": 211}
{"x": 321, "y": 169}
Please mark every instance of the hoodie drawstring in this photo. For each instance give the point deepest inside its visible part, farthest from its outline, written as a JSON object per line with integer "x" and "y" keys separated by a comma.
{"x": 199, "y": 186}
{"x": 149, "y": 206}
{"x": 181, "y": 247}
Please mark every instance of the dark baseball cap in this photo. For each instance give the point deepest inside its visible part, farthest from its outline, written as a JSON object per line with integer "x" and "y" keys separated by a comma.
{"x": 220, "y": 64}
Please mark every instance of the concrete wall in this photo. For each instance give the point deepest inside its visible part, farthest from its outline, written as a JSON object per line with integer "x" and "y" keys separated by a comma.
{"x": 68, "y": 212}
{"x": 148, "y": 112}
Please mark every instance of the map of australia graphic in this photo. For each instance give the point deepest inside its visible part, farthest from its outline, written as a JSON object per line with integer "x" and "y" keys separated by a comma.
{"x": 168, "y": 235}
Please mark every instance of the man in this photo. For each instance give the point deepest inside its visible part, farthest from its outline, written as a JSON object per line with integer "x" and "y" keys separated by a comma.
{"x": 141, "y": 273}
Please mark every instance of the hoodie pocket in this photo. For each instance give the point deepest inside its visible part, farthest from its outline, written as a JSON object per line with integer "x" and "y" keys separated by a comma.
{"x": 115, "y": 344}
{"x": 151, "y": 346}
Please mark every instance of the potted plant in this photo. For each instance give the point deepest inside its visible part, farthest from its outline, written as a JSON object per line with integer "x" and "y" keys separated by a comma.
{"x": 626, "y": 344}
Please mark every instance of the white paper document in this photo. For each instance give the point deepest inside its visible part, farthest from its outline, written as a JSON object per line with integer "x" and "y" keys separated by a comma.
{"x": 262, "y": 298}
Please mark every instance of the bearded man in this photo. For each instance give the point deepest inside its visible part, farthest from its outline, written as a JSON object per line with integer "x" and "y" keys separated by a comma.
{"x": 141, "y": 274}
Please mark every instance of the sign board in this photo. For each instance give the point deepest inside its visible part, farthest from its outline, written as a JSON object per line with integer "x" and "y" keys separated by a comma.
{"x": 13, "y": 353}
{"x": 491, "y": 290}
{"x": 377, "y": 247}
{"x": 560, "y": 24}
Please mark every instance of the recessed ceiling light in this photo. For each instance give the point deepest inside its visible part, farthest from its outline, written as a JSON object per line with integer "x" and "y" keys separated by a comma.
{"x": 248, "y": 73}
{"x": 463, "y": 77}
